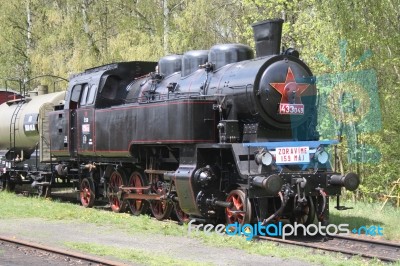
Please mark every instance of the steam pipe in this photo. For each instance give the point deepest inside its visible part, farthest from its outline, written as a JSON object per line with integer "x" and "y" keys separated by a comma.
{"x": 323, "y": 194}
{"x": 283, "y": 204}
{"x": 223, "y": 204}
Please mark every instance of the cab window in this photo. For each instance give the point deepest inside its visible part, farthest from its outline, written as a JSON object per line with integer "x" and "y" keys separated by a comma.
{"x": 84, "y": 95}
{"x": 91, "y": 94}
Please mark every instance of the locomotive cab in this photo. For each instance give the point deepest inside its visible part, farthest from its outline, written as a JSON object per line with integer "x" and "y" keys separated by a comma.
{"x": 95, "y": 89}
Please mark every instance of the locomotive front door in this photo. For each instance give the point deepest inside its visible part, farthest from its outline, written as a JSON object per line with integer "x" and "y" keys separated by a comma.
{"x": 85, "y": 131}
{"x": 73, "y": 105}
{"x": 73, "y": 134}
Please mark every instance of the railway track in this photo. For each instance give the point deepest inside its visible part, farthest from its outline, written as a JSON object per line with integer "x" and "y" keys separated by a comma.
{"x": 82, "y": 259}
{"x": 373, "y": 249}
{"x": 383, "y": 250}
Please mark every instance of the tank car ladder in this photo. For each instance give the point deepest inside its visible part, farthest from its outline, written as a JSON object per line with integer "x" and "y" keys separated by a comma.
{"x": 13, "y": 128}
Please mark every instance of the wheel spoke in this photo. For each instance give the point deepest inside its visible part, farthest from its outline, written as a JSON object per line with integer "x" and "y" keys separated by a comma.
{"x": 138, "y": 203}
{"x": 234, "y": 201}
{"x": 180, "y": 214}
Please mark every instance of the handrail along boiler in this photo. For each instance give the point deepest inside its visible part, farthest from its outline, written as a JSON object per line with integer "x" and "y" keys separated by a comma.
{"x": 216, "y": 135}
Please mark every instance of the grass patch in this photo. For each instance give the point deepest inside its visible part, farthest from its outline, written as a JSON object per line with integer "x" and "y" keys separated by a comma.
{"x": 33, "y": 207}
{"x": 368, "y": 214}
{"x": 15, "y": 206}
{"x": 135, "y": 256}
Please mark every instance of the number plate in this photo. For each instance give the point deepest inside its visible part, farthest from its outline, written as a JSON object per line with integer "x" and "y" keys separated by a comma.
{"x": 287, "y": 155}
{"x": 291, "y": 109}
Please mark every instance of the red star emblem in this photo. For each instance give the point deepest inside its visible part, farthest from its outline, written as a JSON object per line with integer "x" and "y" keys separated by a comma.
{"x": 290, "y": 90}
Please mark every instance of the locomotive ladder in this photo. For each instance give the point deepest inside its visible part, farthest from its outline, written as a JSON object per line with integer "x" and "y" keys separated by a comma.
{"x": 44, "y": 132}
{"x": 13, "y": 128}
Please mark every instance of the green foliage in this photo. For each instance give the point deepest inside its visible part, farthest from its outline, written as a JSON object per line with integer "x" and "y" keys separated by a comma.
{"x": 202, "y": 24}
{"x": 367, "y": 27}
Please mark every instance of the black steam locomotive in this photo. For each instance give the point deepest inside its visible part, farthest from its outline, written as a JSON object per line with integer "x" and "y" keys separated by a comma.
{"x": 215, "y": 135}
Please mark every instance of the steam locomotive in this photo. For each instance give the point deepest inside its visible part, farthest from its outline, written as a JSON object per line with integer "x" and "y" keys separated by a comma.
{"x": 213, "y": 135}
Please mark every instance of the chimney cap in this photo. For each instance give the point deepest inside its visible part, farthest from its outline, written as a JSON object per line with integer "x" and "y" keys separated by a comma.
{"x": 274, "y": 20}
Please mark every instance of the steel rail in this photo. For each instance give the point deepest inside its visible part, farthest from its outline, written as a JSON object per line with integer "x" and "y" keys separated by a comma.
{"x": 380, "y": 242}
{"x": 62, "y": 252}
{"x": 326, "y": 247}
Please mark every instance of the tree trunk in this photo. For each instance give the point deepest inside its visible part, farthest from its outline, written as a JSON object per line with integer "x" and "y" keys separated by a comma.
{"x": 86, "y": 28}
{"x": 166, "y": 26}
{"x": 27, "y": 67}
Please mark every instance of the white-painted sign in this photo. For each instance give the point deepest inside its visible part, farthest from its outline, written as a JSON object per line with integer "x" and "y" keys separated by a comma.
{"x": 286, "y": 155}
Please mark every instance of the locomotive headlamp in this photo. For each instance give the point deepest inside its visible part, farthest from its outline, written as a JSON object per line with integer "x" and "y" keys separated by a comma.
{"x": 321, "y": 156}
{"x": 264, "y": 158}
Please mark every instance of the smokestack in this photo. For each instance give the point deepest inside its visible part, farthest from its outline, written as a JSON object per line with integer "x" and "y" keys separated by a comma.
{"x": 42, "y": 89}
{"x": 267, "y": 35}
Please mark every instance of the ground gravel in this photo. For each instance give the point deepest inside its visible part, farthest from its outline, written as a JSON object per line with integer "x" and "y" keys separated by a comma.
{"x": 15, "y": 255}
{"x": 57, "y": 233}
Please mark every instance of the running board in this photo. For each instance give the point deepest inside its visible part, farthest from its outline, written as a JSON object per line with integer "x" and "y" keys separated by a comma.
{"x": 168, "y": 175}
{"x": 134, "y": 188}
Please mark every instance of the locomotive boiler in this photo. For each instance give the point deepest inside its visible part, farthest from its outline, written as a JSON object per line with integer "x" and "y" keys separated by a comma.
{"x": 215, "y": 135}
